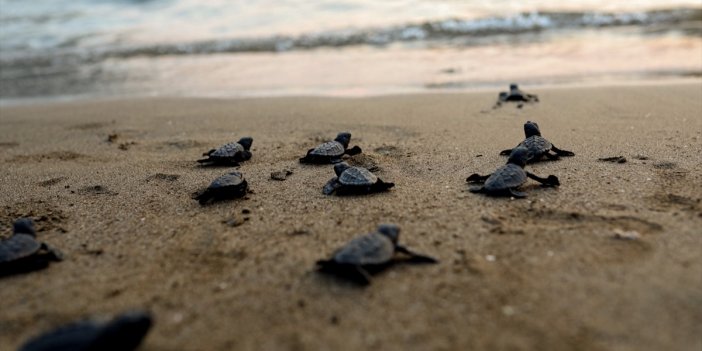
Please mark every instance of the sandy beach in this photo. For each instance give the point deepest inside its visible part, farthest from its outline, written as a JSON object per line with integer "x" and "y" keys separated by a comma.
{"x": 541, "y": 273}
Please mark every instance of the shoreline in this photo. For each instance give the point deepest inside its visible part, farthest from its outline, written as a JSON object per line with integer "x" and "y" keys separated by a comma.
{"x": 540, "y": 273}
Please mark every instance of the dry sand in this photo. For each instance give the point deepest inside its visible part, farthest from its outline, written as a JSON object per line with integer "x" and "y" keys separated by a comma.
{"x": 542, "y": 273}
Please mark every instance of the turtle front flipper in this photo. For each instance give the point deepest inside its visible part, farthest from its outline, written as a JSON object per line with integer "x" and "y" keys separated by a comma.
{"x": 560, "y": 152}
{"x": 506, "y": 152}
{"x": 353, "y": 151}
{"x": 476, "y": 189}
{"x": 205, "y": 196}
{"x": 208, "y": 153}
{"x": 52, "y": 253}
{"x": 415, "y": 257}
{"x": 477, "y": 178}
{"x": 331, "y": 186}
{"x": 517, "y": 194}
{"x": 551, "y": 156}
{"x": 551, "y": 180}
{"x": 243, "y": 155}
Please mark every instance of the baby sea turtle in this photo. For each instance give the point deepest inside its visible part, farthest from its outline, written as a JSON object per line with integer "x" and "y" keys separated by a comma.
{"x": 368, "y": 254}
{"x": 515, "y": 95}
{"x": 505, "y": 180}
{"x": 229, "y": 154}
{"x": 22, "y": 252}
{"x": 354, "y": 181}
{"x": 537, "y": 146}
{"x": 228, "y": 186}
{"x": 331, "y": 152}
{"x": 123, "y": 333}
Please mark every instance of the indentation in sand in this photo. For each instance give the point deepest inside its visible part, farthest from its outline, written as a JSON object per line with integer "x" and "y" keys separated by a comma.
{"x": 52, "y": 181}
{"x": 8, "y": 144}
{"x": 162, "y": 177}
{"x": 96, "y": 190}
{"x": 49, "y": 156}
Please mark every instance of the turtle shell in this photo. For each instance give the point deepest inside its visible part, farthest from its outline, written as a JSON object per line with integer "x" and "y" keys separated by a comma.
{"x": 17, "y": 247}
{"x": 369, "y": 249}
{"x": 536, "y": 145}
{"x": 232, "y": 179}
{"x": 357, "y": 176}
{"x": 331, "y": 148}
{"x": 227, "y": 150}
{"x": 505, "y": 177}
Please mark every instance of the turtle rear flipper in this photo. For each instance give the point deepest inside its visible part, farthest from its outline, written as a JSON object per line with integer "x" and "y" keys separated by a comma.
{"x": 560, "y": 152}
{"x": 353, "y": 151}
{"x": 548, "y": 155}
{"x": 415, "y": 257}
{"x": 506, "y": 152}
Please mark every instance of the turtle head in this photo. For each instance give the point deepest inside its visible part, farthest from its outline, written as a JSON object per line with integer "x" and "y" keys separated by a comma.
{"x": 126, "y": 330}
{"x": 24, "y": 226}
{"x": 392, "y": 231}
{"x": 340, "y": 168}
{"x": 246, "y": 142}
{"x": 519, "y": 156}
{"x": 344, "y": 138}
{"x": 531, "y": 129}
{"x": 513, "y": 86}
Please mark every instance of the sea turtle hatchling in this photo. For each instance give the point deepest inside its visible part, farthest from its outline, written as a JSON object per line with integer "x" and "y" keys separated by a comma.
{"x": 331, "y": 151}
{"x": 123, "y": 333}
{"x": 368, "y": 254}
{"x": 229, "y": 186}
{"x": 538, "y": 146}
{"x": 229, "y": 154}
{"x": 515, "y": 95}
{"x": 22, "y": 252}
{"x": 506, "y": 179}
{"x": 354, "y": 181}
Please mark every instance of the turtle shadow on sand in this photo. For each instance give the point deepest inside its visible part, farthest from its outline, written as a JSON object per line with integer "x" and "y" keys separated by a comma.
{"x": 370, "y": 254}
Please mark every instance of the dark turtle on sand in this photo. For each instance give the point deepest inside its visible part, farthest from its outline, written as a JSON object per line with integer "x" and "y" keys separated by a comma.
{"x": 515, "y": 95}
{"x": 229, "y": 154}
{"x": 537, "y": 146}
{"x": 229, "y": 186}
{"x": 123, "y": 333}
{"x": 22, "y": 252}
{"x": 354, "y": 181}
{"x": 506, "y": 179}
{"x": 368, "y": 254}
{"x": 331, "y": 152}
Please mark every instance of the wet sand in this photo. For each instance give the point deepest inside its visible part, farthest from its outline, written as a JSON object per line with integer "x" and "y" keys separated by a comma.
{"x": 542, "y": 273}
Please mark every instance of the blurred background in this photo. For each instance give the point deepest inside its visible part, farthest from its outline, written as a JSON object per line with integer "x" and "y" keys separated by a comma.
{"x": 119, "y": 48}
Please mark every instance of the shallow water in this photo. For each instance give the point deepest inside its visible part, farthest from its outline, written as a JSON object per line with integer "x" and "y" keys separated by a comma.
{"x": 260, "y": 48}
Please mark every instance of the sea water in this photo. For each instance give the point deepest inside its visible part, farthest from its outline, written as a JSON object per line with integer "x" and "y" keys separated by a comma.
{"x": 123, "y": 48}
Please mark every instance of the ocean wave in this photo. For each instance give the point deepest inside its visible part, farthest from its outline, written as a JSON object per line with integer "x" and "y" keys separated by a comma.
{"x": 479, "y": 30}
